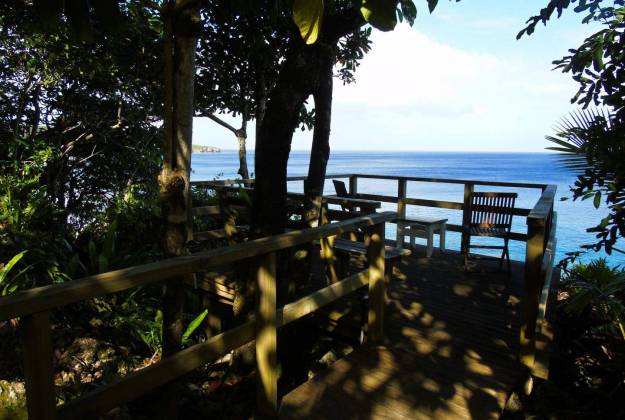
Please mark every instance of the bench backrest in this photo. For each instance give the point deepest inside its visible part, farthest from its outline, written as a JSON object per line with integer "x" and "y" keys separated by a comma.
{"x": 492, "y": 209}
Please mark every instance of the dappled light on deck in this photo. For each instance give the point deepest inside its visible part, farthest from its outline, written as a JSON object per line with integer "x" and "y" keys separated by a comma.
{"x": 449, "y": 352}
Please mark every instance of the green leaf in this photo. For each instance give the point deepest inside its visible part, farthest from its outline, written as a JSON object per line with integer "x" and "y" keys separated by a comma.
{"x": 381, "y": 14}
{"x": 432, "y": 5}
{"x": 4, "y": 272}
{"x": 597, "y": 61}
{"x": 409, "y": 10}
{"x": 194, "y": 326}
{"x": 597, "y": 200}
{"x": 307, "y": 15}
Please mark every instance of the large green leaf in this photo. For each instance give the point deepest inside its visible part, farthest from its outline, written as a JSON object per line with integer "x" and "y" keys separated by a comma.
{"x": 194, "y": 326}
{"x": 4, "y": 271}
{"x": 307, "y": 15}
{"x": 381, "y": 14}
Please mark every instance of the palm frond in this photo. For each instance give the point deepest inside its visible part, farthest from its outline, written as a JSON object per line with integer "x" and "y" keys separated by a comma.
{"x": 573, "y": 134}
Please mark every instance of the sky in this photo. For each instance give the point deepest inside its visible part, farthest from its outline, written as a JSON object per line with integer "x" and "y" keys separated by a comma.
{"x": 458, "y": 80}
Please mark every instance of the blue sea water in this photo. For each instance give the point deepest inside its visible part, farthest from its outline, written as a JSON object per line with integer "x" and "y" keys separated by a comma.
{"x": 573, "y": 217}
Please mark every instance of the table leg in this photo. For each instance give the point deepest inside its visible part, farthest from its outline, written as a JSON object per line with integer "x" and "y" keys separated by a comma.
{"x": 442, "y": 232}
{"x": 430, "y": 236}
{"x": 400, "y": 235}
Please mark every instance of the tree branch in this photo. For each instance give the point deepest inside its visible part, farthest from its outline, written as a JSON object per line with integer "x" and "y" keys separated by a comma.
{"x": 222, "y": 123}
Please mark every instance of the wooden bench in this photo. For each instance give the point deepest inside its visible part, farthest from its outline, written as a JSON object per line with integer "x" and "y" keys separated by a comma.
{"x": 345, "y": 248}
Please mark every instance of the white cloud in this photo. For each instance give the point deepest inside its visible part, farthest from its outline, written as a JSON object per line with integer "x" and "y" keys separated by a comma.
{"x": 413, "y": 92}
{"x": 439, "y": 97}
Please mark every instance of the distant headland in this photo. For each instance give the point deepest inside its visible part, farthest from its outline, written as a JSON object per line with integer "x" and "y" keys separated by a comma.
{"x": 205, "y": 149}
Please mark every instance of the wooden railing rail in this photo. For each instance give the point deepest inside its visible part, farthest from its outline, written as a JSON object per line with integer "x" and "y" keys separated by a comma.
{"x": 402, "y": 200}
{"x": 34, "y": 307}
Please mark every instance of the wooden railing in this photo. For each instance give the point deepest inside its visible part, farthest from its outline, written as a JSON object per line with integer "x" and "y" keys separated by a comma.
{"x": 540, "y": 236}
{"x": 539, "y": 258}
{"x": 34, "y": 307}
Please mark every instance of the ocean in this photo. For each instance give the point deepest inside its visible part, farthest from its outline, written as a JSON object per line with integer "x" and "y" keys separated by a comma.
{"x": 573, "y": 217}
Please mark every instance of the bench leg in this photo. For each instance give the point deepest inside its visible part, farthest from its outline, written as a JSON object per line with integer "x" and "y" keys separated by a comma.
{"x": 430, "y": 238}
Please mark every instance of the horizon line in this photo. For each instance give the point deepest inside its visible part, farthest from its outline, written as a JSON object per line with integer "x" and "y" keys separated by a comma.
{"x": 398, "y": 150}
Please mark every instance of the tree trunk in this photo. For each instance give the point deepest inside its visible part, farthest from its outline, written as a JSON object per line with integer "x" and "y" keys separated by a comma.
{"x": 273, "y": 143}
{"x": 179, "y": 59}
{"x": 243, "y": 171}
{"x": 320, "y": 150}
{"x": 296, "y": 81}
{"x": 176, "y": 172}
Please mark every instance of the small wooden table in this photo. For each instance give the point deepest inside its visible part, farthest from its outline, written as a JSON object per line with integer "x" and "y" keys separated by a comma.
{"x": 422, "y": 227}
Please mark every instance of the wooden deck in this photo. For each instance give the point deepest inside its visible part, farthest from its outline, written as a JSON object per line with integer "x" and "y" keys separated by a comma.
{"x": 450, "y": 350}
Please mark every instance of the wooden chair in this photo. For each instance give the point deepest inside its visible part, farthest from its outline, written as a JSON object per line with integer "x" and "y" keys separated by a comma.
{"x": 341, "y": 191}
{"x": 491, "y": 216}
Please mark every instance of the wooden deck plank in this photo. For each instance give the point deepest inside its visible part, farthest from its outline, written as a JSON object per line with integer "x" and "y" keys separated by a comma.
{"x": 450, "y": 350}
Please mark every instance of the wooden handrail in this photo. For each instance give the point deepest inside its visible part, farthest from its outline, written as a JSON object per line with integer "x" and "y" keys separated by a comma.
{"x": 454, "y": 181}
{"x": 540, "y": 251}
{"x": 53, "y": 296}
{"x": 34, "y": 306}
{"x": 402, "y": 202}
{"x": 544, "y": 207}
{"x": 141, "y": 382}
{"x": 392, "y": 177}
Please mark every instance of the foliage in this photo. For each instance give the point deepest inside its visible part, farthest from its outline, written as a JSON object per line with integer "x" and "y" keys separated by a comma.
{"x": 381, "y": 14}
{"x": 596, "y": 293}
{"x": 6, "y": 286}
{"x": 592, "y": 144}
{"x": 135, "y": 312}
{"x": 242, "y": 49}
{"x": 597, "y": 65}
{"x": 593, "y": 141}
{"x": 78, "y": 141}
{"x": 29, "y": 221}
{"x": 91, "y": 107}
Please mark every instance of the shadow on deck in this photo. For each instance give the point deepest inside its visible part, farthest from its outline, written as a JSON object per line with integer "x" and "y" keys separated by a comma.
{"x": 450, "y": 350}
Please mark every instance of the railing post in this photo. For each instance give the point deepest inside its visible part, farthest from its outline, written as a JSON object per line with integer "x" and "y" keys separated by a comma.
{"x": 327, "y": 248}
{"x": 374, "y": 239}
{"x": 465, "y": 242}
{"x": 353, "y": 185}
{"x": 38, "y": 373}
{"x": 266, "y": 339}
{"x": 401, "y": 211}
{"x": 535, "y": 250}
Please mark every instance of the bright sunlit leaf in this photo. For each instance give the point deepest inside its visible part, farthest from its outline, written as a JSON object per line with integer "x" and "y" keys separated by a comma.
{"x": 307, "y": 15}
{"x": 381, "y": 14}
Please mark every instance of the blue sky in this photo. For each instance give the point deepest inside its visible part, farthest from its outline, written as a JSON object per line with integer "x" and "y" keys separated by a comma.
{"x": 458, "y": 80}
